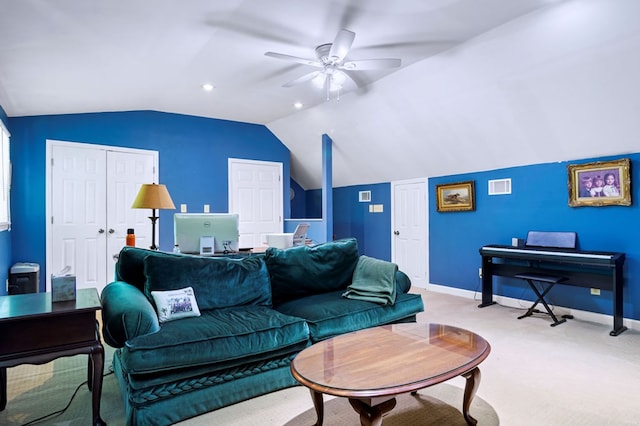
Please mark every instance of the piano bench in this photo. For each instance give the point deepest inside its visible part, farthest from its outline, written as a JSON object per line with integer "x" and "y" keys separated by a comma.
{"x": 550, "y": 281}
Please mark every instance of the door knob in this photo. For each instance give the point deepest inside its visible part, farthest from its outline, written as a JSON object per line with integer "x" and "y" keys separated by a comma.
{"x": 100, "y": 231}
{"x": 396, "y": 232}
{"x": 111, "y": 231}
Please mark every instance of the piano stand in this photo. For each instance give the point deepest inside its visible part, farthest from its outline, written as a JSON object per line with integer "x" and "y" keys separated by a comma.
{"x": 550, "y": 280}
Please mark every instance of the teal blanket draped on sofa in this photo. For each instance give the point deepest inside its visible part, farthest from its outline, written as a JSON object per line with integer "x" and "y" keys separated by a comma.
{"x": 374, "y": 280}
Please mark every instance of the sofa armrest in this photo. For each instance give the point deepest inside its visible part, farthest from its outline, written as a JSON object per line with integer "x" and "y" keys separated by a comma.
{"x": 403, "y": 282}
{"x": 126, "y": 313}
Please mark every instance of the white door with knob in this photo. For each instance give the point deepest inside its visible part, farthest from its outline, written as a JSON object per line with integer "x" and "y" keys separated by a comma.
{"x": 255, "y": 193}
{"x": 90, "y": 189}
{"x": 409, "y": 223}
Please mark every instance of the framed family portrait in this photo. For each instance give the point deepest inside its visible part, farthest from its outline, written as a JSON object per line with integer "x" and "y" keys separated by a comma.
{"x": 603, "y": 183}
{"x": 455, "y": 197}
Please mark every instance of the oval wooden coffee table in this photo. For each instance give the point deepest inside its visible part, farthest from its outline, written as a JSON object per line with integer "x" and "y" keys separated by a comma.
{"x": 372, "y": 366}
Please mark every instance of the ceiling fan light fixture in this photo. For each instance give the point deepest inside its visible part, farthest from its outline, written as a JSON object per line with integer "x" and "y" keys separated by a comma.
{"x": 338, "y": 78}
{"x": 331, "y": 63}
{"x": 318, "y": 80}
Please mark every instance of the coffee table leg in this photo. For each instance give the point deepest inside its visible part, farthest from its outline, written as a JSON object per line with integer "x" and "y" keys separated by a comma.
{"x": 473, "y": 381}
{"x": 371, "y": 415}
{"x": 318, "y": 404}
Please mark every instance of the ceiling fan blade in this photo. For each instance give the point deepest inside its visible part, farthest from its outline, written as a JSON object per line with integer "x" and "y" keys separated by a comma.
{"x": 341, "y": 45}
{"x": 350, "y": 78}
{"x": 355, "y": 79}
{"x": 303, "y": 79}
{"x": 291, "y": 58}
{"x": 372, "y": 64}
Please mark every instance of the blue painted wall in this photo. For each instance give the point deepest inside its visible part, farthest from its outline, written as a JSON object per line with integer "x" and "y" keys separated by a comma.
{"x": 313, "y": 200}
{"x": 539, "y": 201}
{"x": 5, "y": 236}
{"x": 327, "y": 186}
{"x": 193, "y": 154}
{"x": 299, "y": 202}
{"x": 192, "y": 147}
{"x": 352, "y": 218}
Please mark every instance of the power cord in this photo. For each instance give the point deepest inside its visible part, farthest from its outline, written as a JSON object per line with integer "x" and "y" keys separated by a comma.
{"x": 59, "y": 412}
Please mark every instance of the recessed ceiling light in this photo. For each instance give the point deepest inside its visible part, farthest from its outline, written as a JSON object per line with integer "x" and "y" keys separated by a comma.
{"x": 207, "y": 87}
{"x": 298, "y": 105}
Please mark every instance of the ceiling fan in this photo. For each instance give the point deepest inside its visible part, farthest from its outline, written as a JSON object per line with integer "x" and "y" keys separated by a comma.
{"x": 333, "y": 69}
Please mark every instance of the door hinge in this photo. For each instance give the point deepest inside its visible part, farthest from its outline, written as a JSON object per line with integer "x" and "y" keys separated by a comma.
{"x": 52, "y": 220}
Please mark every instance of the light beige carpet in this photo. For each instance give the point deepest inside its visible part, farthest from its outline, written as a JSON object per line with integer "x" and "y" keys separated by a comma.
{"x": 34, "y": 391}
{"x": 571, "y": 375}
{"x": 436, "y": 406}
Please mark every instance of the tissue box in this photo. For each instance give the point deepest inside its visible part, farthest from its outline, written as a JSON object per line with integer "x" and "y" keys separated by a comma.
{"x": 63, "y": 288}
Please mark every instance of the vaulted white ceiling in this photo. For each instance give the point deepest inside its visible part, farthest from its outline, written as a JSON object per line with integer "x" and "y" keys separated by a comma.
{"x": 477, "y": 88}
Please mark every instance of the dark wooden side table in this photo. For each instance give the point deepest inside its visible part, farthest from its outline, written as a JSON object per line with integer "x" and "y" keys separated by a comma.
{"x": 33, "y": 330}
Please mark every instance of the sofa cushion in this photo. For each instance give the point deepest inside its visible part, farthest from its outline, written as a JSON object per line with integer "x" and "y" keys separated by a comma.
{"x": 302, "y": 271}
{"x": 330, "y": 314}
{"x": 225, "y": 337}
{"x": 218, "y": 282}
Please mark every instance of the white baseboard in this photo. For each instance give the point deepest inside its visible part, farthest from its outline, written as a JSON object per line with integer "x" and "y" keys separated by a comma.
{"x": 597, "y": 318}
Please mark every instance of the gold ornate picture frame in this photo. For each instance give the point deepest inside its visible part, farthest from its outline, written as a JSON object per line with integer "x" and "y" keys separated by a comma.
{"x": 603, "y": 183}
{"x": 456, "y": 197}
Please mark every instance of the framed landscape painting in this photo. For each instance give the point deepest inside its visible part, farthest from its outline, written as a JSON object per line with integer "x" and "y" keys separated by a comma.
{"x": 603, "y": 183}
{"x": 455, "y": 197}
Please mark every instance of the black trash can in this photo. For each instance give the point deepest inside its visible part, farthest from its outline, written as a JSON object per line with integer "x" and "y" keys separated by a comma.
{"x": 24, "y": 278}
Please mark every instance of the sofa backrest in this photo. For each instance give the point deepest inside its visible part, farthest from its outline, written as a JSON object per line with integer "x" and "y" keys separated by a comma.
{"x": 302, "y": 271}
{"x": 218, "y": 282}
{"x": 130, "y": 265}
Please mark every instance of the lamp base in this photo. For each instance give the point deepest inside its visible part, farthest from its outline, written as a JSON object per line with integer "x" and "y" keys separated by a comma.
{"x": 153, "y": 218}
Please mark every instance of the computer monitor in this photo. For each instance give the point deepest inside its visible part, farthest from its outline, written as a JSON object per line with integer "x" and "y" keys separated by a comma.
{"x": 188, "y": 228}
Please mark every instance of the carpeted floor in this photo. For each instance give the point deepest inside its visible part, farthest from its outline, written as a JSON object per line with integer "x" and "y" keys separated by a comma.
{"x": 571, "y": 375}
{"x": 35, "y": 391}
{"x": 435, "y": 406}
{"x": 38, "y": 390}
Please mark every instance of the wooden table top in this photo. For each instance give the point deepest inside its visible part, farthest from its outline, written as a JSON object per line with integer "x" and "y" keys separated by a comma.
{"x": 389, "y": 360}
{"x": 20, "y": 306}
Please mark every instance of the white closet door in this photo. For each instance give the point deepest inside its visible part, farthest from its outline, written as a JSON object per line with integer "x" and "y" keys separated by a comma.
{"x": 91, "y": 190}
{"x": 78, "y": 221}
{"x": 126, "y": 172}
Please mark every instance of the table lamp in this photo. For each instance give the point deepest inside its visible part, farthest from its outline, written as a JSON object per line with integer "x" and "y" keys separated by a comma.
{"x": 153, "y": 196}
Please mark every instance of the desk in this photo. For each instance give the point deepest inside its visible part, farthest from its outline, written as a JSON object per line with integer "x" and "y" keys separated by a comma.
{"x": 33, "y": 330}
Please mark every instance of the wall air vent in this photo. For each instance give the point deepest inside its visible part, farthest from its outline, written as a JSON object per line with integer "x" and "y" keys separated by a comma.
{"x": 364, "y": 196}
{"x": 500, "y": 186}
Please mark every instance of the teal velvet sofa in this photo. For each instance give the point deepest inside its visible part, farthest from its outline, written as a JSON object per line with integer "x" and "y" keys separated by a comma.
{"x": 255, "y": 314}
